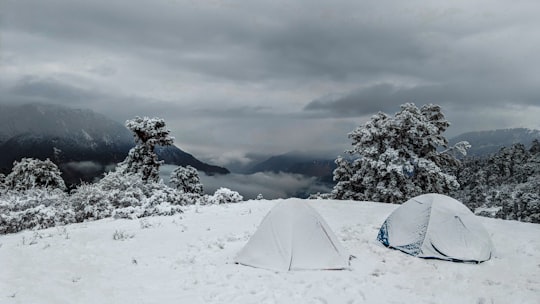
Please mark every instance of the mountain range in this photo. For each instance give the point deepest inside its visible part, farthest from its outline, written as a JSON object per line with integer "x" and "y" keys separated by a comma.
{"x": 298, "y": 163}
{"x": 488, "y": 142}
{"x": 482, "y": 143}
{"x": 84, "y": 144}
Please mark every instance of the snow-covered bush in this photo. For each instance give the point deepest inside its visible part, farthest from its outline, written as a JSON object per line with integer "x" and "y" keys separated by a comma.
{"x": 121, "y": 235}
{"x": 187, "y": 180}
{"x": 142, "y": 158}
{"x": 127, "y": 196}
{"x": 89, "y": 202}
{"x": 225, "y": 195}
{"x": 396, "y": 158}
{"x": 320, "y": 196}
{"x": 34, "y": 209}
{"x": 32, "y": 173}
{"x": 33, "y": 197}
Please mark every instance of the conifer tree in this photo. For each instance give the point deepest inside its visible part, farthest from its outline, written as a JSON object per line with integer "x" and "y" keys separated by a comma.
{"x": 30, "y": 173}
{"x": 187, "y": 179}
{"x": 142, "y": 159}
{"x": 396, "y": 158}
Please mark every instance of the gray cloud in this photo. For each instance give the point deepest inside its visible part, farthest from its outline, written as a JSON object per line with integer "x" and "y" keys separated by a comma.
{"x": 269, "y": 76}
{"x": 86, "y": 167}
{"x": 48, "y": 90}
{"x": 263, "y": 39}
{"x": 387, "y": 97}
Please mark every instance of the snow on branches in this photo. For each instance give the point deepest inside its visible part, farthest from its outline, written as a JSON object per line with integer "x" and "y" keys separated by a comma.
{"x": 32, "y": 173}
{"x": 505, "y": 184}
{"x": 224, "y": 196}
{"x": 187, "y": 180}
{"x": 148, "y": 133}
{"x": 396, "y": 158}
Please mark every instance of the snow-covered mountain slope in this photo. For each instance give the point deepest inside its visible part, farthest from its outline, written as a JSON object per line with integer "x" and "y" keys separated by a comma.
{"x": 74, "y": 139}
{"x": 189, "y": 258}
{"x": 53, "y": 121}
{"x": 488, "y": 142}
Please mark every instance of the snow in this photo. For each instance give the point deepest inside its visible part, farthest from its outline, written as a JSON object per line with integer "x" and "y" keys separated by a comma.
{"x": 188, "y": 258}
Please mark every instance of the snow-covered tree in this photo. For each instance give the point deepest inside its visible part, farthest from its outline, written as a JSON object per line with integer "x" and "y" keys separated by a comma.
{"x": 187, "y": 180}
{"x": 225, "y": 195}
{"x": 32, "y": 173}
{"x": 2, "y": 182}
{"x": 396, "y": 158}
{"x": 148, "y": 132}
{"x": 507, "y": 181}
{"x": 535, "y": 147}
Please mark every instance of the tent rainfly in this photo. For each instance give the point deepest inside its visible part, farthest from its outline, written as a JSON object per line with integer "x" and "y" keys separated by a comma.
{"x": 436, "y": 226}
{"x": 293, "y": 236}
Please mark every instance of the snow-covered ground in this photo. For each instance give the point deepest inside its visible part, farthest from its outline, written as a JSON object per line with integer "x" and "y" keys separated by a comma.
{"x": 188, "y": 258}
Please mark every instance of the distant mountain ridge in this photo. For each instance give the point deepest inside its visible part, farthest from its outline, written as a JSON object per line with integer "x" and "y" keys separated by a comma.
{"x": 488, "y": 142}
{"x": 298, "y": 163}
{"x": 483, "y": 143}
{"x": 83, "y": 143}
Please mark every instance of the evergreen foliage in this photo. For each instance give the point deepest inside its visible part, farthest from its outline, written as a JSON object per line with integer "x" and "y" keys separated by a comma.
{"x": 35, "y": 208}
{"x": 32, "y": 173}
{"x": 187, "y": 179}
{"x": 2, "y": 182}
{"x": 224, "y": 196}
{"x": 396, "y": 158}
{"x": 505, "y": 184}
{"x": 148, "y": 133}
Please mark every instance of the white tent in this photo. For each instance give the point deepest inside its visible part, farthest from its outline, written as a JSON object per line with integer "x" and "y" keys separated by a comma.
{"x": 436, "y": 226}
{"x": 293, "y": 236}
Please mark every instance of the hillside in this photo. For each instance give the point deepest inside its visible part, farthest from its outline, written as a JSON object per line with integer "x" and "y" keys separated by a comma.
{"x": 488, "y": 142}
{"x": 188, "y": 258}
{"x": 81, "y": 142}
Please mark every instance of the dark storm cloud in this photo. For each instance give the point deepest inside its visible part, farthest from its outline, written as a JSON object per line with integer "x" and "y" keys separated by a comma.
{"x": 35, "y": 89}
{"x": 290, "y": 42}
{"x": 387, "y": 98}
{"x": 31, "y": 89}
{"x": 246, "y": 42}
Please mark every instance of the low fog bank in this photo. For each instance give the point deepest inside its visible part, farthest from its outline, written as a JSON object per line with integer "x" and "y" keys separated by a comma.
{"x": 270, "y": 185}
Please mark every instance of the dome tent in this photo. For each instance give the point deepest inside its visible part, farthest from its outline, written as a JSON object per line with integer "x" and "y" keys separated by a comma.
{"x": 293, "y": 236}
{"x": 436, "y": 226}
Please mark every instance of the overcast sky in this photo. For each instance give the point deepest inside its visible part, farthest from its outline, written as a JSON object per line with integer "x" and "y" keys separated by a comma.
{"x": 238, "y": 77}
